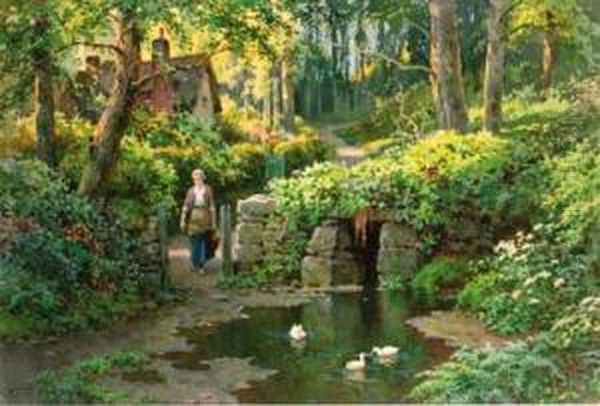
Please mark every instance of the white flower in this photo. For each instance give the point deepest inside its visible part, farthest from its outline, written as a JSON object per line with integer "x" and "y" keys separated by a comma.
{"x": 588, "y": 300}
{"x": 544, "y": 275}
{"x": 516, "y": 295}
{"x": 534, "y": 301}
{"x": 559, "y": 283}
{"x": 554, "y": 262}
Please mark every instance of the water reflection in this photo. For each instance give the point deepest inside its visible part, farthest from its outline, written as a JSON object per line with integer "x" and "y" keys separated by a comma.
{"x": 339, "y": 328}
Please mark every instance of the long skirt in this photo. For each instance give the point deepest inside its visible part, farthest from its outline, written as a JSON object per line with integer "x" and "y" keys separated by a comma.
{"x": 200, "y": 249}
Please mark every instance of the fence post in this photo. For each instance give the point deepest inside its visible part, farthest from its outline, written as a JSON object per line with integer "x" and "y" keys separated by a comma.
{"x": 165, "y": 281}
{"x": 225, "y": 215}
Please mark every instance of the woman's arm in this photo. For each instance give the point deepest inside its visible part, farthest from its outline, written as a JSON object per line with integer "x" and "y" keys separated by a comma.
{"x": 212, "y": 208}
{"x": 187, "y": 204}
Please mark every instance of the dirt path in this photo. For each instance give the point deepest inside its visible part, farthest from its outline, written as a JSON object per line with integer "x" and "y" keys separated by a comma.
{"x": 346, "y": 154}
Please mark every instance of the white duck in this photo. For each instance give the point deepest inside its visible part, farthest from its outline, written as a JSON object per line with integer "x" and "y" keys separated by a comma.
{"x": 386, "y": 351}
{"x": 357, "y": 364}
{"x": 297, "y": 332}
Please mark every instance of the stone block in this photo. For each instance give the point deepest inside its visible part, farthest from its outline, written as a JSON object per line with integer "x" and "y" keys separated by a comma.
{"x": 347, "y": 271}
{"x": 249, "y": 233}
{"x": 257, "y": 208}
{"x": 247, "y": 253}
{"x": 394, "y": 235}
{"x": 398, "y": 261}
{"x": 344, "y": 238}
{"x": 323, "y": 241}
{"x": 317, "y": 272}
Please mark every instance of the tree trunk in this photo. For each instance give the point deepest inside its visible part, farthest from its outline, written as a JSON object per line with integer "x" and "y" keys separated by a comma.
{"x": 549, "y": 59}
{"x": 446, "y": 71}
{"x": 116, "y": 116}
{"x": 287, "y": 92}
{"x": 44, "y": 97}
{"x": 277, "y": 97}
{"x": 494, "y": 67}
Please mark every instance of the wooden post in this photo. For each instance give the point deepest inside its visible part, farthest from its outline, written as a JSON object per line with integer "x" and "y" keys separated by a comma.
{"x": 225, "y": 215}
{"x": 165, "y": 281}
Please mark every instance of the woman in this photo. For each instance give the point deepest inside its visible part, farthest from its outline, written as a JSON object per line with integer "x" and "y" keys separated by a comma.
{"x": 199, "y": 218}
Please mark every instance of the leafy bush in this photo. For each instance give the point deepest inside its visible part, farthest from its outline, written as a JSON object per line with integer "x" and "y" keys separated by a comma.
{"x": 403, "y": 117}
{"x": 63, "y": 266}
{"x": 432, "y": 282}
{"x": 79, "y": 383}
{"x": 479, "y": 289}
{"x": 518, "y": 373}
{"x": 302, "y": 151}
{"x": 425, "y": 184}
{"x": 541, "y": 274}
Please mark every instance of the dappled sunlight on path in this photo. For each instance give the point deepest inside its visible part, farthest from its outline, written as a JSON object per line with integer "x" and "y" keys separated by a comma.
{"x": 345, "y": 154}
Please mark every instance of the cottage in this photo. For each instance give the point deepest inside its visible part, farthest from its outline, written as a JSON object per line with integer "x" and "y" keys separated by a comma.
{"x": 175, "y": 84}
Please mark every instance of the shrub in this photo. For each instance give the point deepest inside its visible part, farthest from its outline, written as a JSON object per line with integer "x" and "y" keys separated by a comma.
{"x": 425, "y": 184}
{"x": 516, "y": 374}
{"x": 478, "y": 289}
{"x": 302, "y": 151}
{"x": 403, "y": 117}
{"x": 63, "y": 266}
{"x": 79, "y": 383}
{"x": 433, "y": 281}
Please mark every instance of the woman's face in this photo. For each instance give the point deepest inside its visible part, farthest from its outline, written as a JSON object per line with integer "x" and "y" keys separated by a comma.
{"x": 197, "y": 178}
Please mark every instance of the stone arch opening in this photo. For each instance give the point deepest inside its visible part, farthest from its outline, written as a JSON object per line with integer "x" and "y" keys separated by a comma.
{"x": 367, "y": 247}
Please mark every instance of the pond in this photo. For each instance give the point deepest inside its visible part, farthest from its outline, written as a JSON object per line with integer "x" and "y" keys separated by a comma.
{"x": 204, "y": 348}
{"x": 339, "y": 327}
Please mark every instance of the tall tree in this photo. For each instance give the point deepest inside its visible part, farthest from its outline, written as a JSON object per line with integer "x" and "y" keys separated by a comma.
{"x": 29, "y": 37}
{"x": 446, "y": 70}
{"x": 560, "y": 22}
{"x": 44, "y": 88}
{"x": 287, "y": 91}
{"x": 117, "y": 113}
{"x": 234, "y": 21}
{"x": 494, "y": 66}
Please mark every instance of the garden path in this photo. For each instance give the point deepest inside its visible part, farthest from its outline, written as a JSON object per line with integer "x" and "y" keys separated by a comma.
{"x": 346, "y": 154}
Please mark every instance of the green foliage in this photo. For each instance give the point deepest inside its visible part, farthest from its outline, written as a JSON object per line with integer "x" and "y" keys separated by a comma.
{"x": 518, "y": 373}
{"x": 63, "y": 266}
{"x": 403, "y": 117}
{"x": 539, "y": 275}
{"x": 302, "y": 151}
{"x": 234, "y": 171}
{"x": 394, "y": 282}
{"x": 282, "y": 258}
{"x": 432, "y": 281}
{"x": 578, "y": 329}
{"x": 78, "y": 384}
{"x": 479, "y": 289}
{"x": 425, "y": 185}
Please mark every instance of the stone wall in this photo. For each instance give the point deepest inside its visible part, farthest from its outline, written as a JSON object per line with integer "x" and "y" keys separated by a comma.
{"x": 253, "y": 233}
{"x": 149, "y": 254}
{"x": 330, "y": 259}
{"x": 398, "y": 251}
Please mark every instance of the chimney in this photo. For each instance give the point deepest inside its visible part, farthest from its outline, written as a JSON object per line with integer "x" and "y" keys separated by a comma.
{"x": 160, "y": 48}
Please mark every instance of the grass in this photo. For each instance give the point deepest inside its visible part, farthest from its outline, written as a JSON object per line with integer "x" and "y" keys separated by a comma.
{"x": 12, "y": 327}
{"x": 79, "y": 384}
